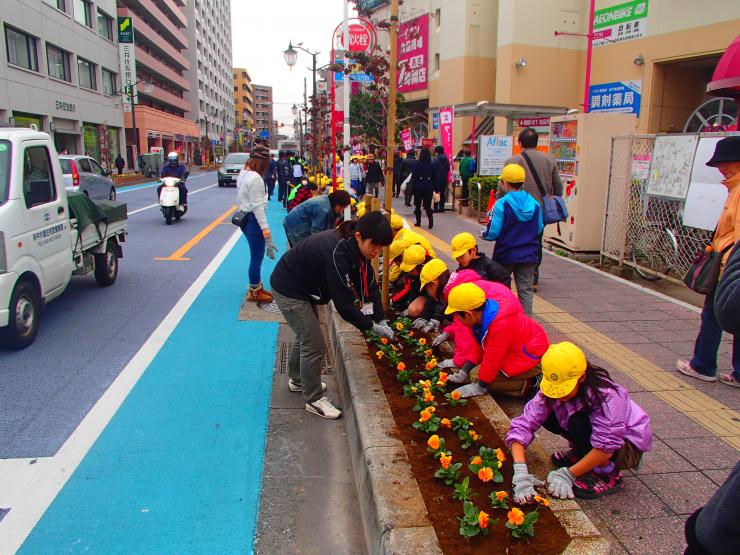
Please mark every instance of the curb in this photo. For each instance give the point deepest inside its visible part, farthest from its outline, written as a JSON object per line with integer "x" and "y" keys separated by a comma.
{"x": 394, "y": 516}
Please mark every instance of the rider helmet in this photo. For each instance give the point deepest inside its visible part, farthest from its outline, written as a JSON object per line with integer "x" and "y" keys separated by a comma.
{"x": 173, "y": 156}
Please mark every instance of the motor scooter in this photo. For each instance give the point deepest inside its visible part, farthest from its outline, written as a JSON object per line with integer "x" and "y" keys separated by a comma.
{"x": 169, "y": 199}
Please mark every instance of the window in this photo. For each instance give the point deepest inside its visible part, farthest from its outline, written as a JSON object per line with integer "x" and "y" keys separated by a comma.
{"x": 86, "y": 72}
{"x": 38, "y": 186}
{"x": 58, "y": 4}
{"x": 57, "y": 61}
{"x": 438, "y": 17}
{"x": 110, "y": 82}
{"x": 21, "y": 49}
{"x": 83, "y": 12}
{"x": 96, "y": 168}
{"x": 84, "y": 164}
{"x": 105, "y": 25}
{"x": 436, "y": 61}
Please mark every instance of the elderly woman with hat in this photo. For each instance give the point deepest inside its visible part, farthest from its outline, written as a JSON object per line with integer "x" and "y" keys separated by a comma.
{"x": 703, "y": 365}
{"x": 252, "y": 198}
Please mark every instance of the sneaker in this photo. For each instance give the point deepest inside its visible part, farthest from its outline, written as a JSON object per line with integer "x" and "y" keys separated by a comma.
{"x": 685, "y": 368}
{"x": 298, "y": 388}
{"x": 729, "y": 379}
{"x": 564, "y": 458}
{"x": 592, "y": 485}
{"x": 324, "y": 408}
{"x": 259, "y": 295}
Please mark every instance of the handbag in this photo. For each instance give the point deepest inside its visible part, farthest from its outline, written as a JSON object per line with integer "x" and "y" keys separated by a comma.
{"x": 436, "y": 197}
{"x": 703, "y": 275}
{"x": 554, "y": 206}
{"x": 239, "y": 218}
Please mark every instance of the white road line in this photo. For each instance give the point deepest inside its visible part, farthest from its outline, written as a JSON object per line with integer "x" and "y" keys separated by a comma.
{"x": 35, "y": 491}
{"x": 191, "y": 193}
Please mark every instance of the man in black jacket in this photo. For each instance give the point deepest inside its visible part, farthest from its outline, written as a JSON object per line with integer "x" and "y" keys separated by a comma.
{"x": 283, "y": 176}
{"x": 373, "y": 176}
{"x": 333, "y": 266}
{"x": 442, "y": 170}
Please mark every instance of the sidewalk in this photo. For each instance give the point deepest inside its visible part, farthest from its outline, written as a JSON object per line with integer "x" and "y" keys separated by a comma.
{"x": 637, "y": 335}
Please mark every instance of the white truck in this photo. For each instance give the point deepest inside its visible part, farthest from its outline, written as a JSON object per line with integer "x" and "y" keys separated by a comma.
{"x": 46, "y": 235}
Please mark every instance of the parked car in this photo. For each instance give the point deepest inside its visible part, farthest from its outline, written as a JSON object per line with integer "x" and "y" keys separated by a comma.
{"x": 84, "y": 174}
{"x": 233, "y": 164}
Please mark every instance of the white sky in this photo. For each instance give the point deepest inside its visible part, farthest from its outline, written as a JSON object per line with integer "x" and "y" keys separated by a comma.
{"x": 261, "y": 31}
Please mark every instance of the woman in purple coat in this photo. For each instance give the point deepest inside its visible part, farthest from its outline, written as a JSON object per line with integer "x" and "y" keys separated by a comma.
{"x": 608, "y": 432}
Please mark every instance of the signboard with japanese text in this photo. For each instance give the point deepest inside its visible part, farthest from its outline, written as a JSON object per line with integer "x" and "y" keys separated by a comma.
{"x": 408, "y": 142}
{"x": 622, "y": 96}
{"x": 127, "y": 60}
{"x": 538, "y": 124}
{"x": 619, "y": 23}
{"x": 355, "y": 74}
{"x": 435, "y": 120}
{"x": 362, "y": 37}
{"x": 493, "y": 153}
{"x": 427, "y": 143}
{"x": 413, "y": 49}
{"x": 446, "y": 117}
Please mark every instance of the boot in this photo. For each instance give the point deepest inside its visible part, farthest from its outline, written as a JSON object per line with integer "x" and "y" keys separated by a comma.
{"x": 258, "y": 294}
{"x": 431, "y": 219}
{"x": 418, "y": 218}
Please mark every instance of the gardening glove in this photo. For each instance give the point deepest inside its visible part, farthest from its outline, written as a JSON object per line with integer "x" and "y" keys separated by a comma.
{"x": 270, "y": 249}
{"x": 383, "y": 329}
{"x": 447, "y": 363}
{"x": 419, "y": 323}
{"x": 432, "y": 325}
{"x": 560, "y": 483}
{"x": 441, "y": 338}
{"x": 471, "y": 389}
{"x": 524, "y": 484}
{"x": 458, "y": 377}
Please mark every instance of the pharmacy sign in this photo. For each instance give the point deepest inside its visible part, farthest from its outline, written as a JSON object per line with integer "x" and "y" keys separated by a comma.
{"x": 620, "y": 23}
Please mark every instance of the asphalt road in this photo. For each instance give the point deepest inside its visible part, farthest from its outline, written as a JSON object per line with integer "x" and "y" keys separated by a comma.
{"x": 89, "y": 334}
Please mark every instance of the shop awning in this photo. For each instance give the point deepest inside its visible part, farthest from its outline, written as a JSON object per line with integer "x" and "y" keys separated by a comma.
{"x": 726, "y": 77}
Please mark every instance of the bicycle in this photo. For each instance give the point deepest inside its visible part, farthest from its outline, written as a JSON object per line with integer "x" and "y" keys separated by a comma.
{"x": 666, "y": 251}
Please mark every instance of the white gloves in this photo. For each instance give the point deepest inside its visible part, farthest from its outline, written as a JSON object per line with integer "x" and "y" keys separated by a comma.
{"x": 383, "y": 329}
{"x": 471, "y": 389}
{"x": 432, "y": 325}
{"x": 270, "y": 248}
{"x": 524, "y": 484}
{"x": 447, "y": 363}
{"x": 419, "y": 324}
{"x": 458, "y": 377}
{"x": 441, "y": 338}
{"x": 560, "y": 483}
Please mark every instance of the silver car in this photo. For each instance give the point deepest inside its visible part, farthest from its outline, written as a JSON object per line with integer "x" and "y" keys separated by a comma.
{"x": 233, "y": 164}
{"x": 84, "y": 174}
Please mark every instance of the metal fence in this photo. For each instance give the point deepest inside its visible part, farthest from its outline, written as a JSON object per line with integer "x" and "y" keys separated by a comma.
{"x": 641, "y": 230}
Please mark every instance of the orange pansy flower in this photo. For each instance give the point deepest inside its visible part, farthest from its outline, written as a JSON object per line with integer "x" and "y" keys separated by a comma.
{"x": 379, "y": 354}
{"x": 516, "y": 516}
{"x": 542, "y": 501}
{"x": 501, "y": 495}
{"x": 428, "y": 397}
{"x": 483, "y": 519}
{"x": 433, "y": 442}
{"x": 411, "y": 334}
{"x": 399, "y": 326}
{"x": 473, "y": 435}
{"x": 384, "y": 340}
{"x": 500, "y": 455}
{"x": 429, "y": 366}
{"x": 443, "y": 377}
{"x": 445, "y": 460}
{"x": 455, "y": 395}
{"x": 446, "y": 423}
{"x": 422, "y": 341}
{"x": 425, "y": 415}
{"x": 428, "y": 353}
{"x": 485, "y": 474}
{"x": 400, "y": 367}
{"x": 476, "y": 460}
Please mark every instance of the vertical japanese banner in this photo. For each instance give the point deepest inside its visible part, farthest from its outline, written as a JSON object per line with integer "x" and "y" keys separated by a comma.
{"x": 446, "y": 116}
{"x": 408, "y": 142}
{"x": 413, "y": 58}
{"x": 127, "y": 58}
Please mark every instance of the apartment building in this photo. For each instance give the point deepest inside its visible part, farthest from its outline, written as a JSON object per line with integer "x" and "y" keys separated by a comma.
{"x": 263, "y": 120}
{"x": 210, "y": 76}
{"x": 59, "y": 71}
{"x": 243, "y": 101}
{"x": 161, "y": 46}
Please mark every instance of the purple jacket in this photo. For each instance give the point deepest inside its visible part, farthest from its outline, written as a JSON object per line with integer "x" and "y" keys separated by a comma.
{"x": 613, "y": 420}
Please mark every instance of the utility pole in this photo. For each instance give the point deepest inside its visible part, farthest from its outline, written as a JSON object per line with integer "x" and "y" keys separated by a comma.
{"x": 345, "y": 98}
{"x": 390, "y": 142}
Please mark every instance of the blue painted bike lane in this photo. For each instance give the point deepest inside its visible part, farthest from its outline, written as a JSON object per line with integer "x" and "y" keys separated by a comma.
{"x": 178, "y": 468}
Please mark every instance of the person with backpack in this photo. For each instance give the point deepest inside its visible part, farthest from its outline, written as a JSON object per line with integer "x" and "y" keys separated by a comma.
{"x": 283, "y": 176}
{"x": 467, "y": 170}
{"x": 541, "y": 178}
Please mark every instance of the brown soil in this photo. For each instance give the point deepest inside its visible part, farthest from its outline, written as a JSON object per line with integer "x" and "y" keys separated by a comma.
{"x": 443, "y": 510}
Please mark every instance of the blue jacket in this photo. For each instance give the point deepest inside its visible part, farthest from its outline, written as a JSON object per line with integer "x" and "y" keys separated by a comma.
{"x": 516, "y": 225}
{"x": 312, "y": 216}
{"x": 442, "y": 171}
{"x": 170, "y": 170}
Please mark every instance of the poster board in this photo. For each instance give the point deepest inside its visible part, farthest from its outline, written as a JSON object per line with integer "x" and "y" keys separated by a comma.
{"x": 706, "y": 196}
{"x": 670, "y": 173}
{"x": 493, "y": 152}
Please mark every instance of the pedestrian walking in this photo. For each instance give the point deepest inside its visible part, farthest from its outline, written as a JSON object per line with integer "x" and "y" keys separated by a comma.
{"x": 515, "y": 226}
{"x": 314, "y": 216}
{"x": 356, "y": 176}
{"x": 141, "y": 162}
{"x": 270, "y": 177}
{"x": 119, "y": 163}
{"x": 467, "y": 170}
{"x": 424, "y": 184}
{"x": 253, "y": 202}
{"x": 442, "y": 171}
{"x": 607, "y": 431}
{"x": 297, "y": 171}
{"x": 703, "y": 365}
{"x": 283, "y": 176}
{"x": 335, "y": 266}
{"x": 373, "y": 176}
{"x": 406, "y": 168}
{"x": 541, "y": 174}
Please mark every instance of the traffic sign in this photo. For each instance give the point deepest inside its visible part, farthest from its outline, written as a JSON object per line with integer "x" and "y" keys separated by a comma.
{"x": 362, "y": 37}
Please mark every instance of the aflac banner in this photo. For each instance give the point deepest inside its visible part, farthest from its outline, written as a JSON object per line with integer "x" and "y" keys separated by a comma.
{"x": 413, "y": 46}
{"x": 622, "y": 96}
{"x": 446, "y": 116}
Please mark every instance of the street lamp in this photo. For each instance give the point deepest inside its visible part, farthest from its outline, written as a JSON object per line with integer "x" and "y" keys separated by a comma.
{"x": 291, "y": 57}
{"x": 147, "y": 88}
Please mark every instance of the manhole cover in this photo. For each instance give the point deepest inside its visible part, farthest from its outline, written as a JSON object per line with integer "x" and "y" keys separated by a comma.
{"x": 269, "y": 307}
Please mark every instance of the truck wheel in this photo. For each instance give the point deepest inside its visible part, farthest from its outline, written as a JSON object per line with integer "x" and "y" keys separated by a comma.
{"x": 25, "y": 313}
{"x": 106, "y": 266}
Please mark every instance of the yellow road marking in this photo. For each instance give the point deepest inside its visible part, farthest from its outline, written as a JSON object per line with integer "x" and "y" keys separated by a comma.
{"x": 701, "y": 408}
{"x": 178, "y": 254}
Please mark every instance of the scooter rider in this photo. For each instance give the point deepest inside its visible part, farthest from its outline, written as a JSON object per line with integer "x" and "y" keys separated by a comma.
{"x": 173, "y": 168}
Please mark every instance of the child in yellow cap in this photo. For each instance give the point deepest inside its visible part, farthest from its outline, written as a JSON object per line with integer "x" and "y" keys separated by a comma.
{"x": 407, "y": 287}
{"x": 465, "y": 251}
{"x": 607, "y": 431}
{"x": 429, "y": 307}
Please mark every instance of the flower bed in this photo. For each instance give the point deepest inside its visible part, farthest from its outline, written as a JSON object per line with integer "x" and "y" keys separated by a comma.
{"x": 460, "y": 463}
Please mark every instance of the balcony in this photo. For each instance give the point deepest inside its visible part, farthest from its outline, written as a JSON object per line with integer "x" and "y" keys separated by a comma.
{"x": 165, "y": 97}
{"x": 173, "y": 8}
{"x": 161, "y": 22}
{"x": 159, "y": 69}
{"x": 147, "y": 34}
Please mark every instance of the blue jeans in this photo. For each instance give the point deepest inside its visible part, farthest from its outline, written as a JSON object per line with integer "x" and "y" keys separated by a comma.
{"x": 253, "y": 232}
{"x": 707, "y": 343}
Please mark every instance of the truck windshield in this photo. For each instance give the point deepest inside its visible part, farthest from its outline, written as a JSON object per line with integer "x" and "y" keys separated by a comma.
{"x": 4, "y": 171}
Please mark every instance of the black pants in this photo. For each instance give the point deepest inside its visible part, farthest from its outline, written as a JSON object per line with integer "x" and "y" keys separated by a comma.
{"x": 282, "y": 189}
{"x": 578, "y": 432}
{"x": 270, "y": 188}
{"x": 408, "y": 193}
{"x": 424, "y": 197}
{"x": 120, "y": 170}
{"x": 539, "y": 261}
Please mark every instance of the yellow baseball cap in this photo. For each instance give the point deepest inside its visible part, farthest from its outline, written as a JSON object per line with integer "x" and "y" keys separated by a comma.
{"x": 562, "y": 365}
{"x": 396, "y": 221}
{"x": 414, "y": 238}
{"x": 466, "y": 296}
{"x": 462, "y": 243}
{"x": 432, "y": 270}
{"x": 397, "y": 247}
{"x": 412, "y": 257}
{"x": 513, "y": 173}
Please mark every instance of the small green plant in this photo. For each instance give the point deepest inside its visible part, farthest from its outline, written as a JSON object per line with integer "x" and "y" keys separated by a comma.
{"x": 473, "y": 521}
{"x": 449, "y": 472}
{"x": 463, "y": 491}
